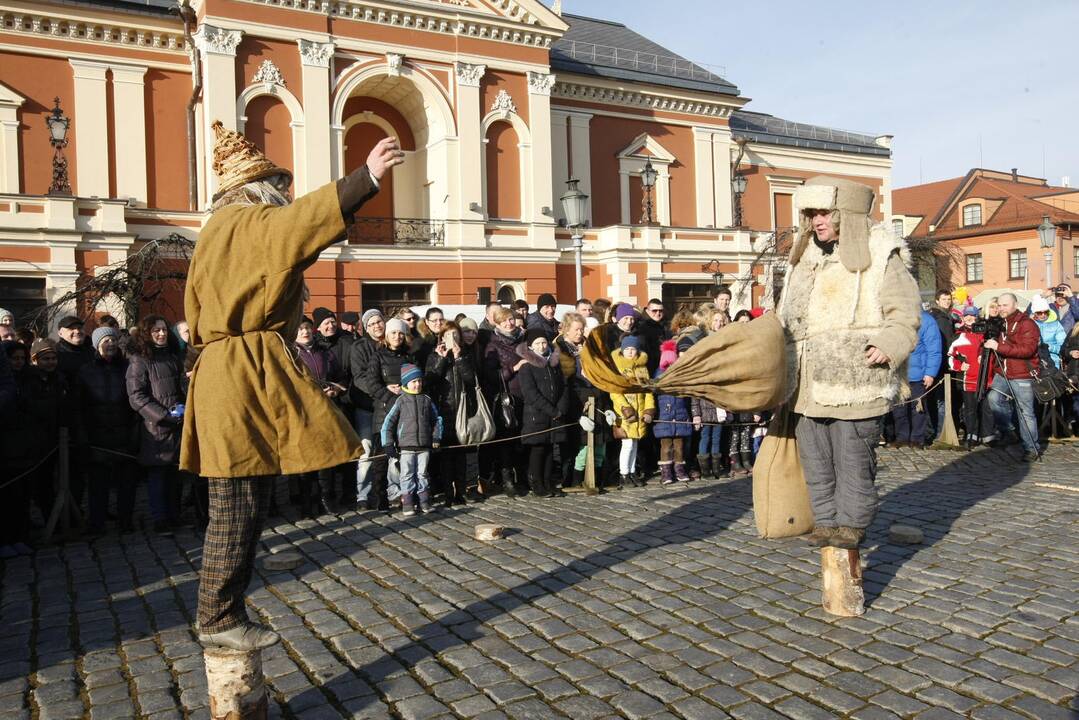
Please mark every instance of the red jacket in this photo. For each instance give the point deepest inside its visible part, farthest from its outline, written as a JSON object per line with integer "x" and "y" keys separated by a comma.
{"x": 967, "y": 348}
{"x": 1018, "y": 347}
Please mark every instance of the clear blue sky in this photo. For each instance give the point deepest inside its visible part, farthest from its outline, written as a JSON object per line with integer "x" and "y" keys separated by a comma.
{"x": 960, "y": 84}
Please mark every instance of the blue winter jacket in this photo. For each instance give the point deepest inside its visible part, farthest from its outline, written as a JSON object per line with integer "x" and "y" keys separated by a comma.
{"x": 925, "y": 360}
{"x": 668, "y": 408}
{"x": 1053, "y": 335}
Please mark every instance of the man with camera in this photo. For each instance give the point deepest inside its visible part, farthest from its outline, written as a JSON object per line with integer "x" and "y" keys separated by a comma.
{"x": 1016, "y": 356}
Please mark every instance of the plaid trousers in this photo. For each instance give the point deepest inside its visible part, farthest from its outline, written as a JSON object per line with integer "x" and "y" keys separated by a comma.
{"x": 238, "y": 509}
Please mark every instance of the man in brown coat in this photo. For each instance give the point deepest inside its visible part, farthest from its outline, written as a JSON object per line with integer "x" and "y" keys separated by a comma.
{"x": 252, "y": 414}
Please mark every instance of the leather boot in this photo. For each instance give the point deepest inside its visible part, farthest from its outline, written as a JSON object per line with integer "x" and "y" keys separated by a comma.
{"x": 326, "y": 504}
{"x": 508, "y": 488}
{"x": 747, "y": 462}
{"x": 718, "y": 471}
{"x": 705, "y": 463}
{"x": 666, "y": 472}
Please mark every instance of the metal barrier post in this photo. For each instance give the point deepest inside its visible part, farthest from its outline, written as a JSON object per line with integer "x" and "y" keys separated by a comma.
{"x": 590, "y": 457}
{"x": 64, "y": 508}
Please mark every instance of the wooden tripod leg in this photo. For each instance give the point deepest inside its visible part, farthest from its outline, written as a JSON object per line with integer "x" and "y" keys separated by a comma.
{"x": 841, "y": 582}
{"x": 235, "y": 683}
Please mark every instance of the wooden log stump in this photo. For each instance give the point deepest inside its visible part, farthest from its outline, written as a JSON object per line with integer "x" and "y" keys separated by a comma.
{"x": 489, "y": 531}
{"x": 841, "y": 582}
{"x": 235, "y": 683}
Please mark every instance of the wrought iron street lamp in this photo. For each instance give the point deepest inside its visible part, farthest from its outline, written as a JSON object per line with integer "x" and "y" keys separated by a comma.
{"x": 575, "y": 208}
{"x": 738, "y": 184}
{"x": 1047, "y": 235}
{"x": 717, "y": 274}
{"x": 648, "y": 181}
{"x": 58, "y": 124}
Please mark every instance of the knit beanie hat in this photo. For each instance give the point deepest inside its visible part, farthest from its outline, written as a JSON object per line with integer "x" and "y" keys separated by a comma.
{"x": 623, "y": 310}
{"x": 631, "y": 341}
{"x": 5, "y": 313}
{"x": 468, "y": 324}
{"x": 103, "y": 332}
{"x": 41, "y": 346}
{"x": 397, "y": 324}
{"x": 349, "y": 317}
{"x": 410, "y": 372}
{"x": 321, "y": 313}
{"x": 970, "y": 310}
{"x": 546, "y": 299}
{"x": 370, "y": 315}
{"x": 1039, "y": 304}
{"x": 668, "y": 353}
{"x": 534, "y": 334}
{"x": 852, "y": 201}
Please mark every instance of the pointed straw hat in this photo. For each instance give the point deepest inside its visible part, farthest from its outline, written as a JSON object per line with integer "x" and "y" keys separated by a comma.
{"x": 237, "y": 161}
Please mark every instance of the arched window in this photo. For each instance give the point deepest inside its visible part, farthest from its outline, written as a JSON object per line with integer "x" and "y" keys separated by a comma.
{"x": 268, "y": 127}
{"x": 359, "y": 141}
{"x": 972, "y": 215}
{"x": 503, "y": 172}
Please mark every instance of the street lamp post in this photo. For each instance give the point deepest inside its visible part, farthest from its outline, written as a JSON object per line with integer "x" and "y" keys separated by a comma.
{"x": 1047, "y": 235}
{"x": 648, "y": 181}
{"x": 574, "y": 207}
{"x": 58, "y": 124}
{"x": 738, "y": 184}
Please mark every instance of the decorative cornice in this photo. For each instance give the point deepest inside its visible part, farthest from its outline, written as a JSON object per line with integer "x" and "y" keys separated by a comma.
{"x": 268, "y": 74}
{"x": 315, "y": 54}
{"x": 417, "y": 18}
{"x": 30, "y": 23}
{"x": 217, "y": 41}
{"x": 644, "y": 99}
{"x": 394, "y": 61}
{"x": 503, "y": 104}
{"x": 470, "y": 75}
{"x": 540, "y": 83}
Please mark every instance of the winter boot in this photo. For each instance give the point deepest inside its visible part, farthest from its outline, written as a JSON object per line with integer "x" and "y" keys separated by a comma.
{"x": 666, "y": 471}
{"x": 425, "y": 502}
{"x": 625, "y": 481}
{"x": 508, "y": 488}
{"x": 705, "y": 463}
{"x": 737, "y": 470}
{"x": 680, "y": 472}
{"x": 718, "y": 471}
{"x": 747, "y": 462}
{"x": 578, "y": 478}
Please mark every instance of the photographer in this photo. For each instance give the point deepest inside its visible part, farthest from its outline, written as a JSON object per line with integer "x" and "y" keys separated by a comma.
{"x": 1017, "y": 359}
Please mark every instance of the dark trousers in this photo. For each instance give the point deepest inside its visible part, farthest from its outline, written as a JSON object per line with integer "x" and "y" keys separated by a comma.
{"x": 237, "y": 512}
{"x": 104, "y": 476}
{"x": 41, "y": 486}
{"x": 380, "y": 467}
{"x": 977, "y": 417}
{"x": 513, "y": 463}
{"x": 453, "y": 469}
{"x": 839, "y": 459}
{"x": 14, "y": 506}
{"x": 540, "y": 467}
{"x": 164, "y": 488}
{"x": 910, "y": 416}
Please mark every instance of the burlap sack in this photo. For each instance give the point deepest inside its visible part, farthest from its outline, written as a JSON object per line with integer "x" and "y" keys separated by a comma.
{"x": 780, "y": 496}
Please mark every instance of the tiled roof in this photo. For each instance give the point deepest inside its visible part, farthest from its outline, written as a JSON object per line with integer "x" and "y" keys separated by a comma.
{"x": 611, "y": 50}
{"x": 154, "y": 7}
{"x": 924, "y": 200}
{"x": 764, "y": 128}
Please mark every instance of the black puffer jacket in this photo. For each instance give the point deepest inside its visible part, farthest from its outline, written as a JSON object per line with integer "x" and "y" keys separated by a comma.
{"x": 105, "y": 418}
{"x": 383, "y": 370}
{"x": 359, "y": 358}
{"x": 155, "y": 384}
{"x": 340, "y": 345}
{"x": 448, "y": 379}
{"x": 546, "y": 401}
{"x": 42, "y": 406}
{"x": 72, "y": 357}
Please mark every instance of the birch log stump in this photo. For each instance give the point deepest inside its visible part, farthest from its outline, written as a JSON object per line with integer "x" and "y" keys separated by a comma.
{"x": 236, "y": 686}
{"x": 841, "y": 582}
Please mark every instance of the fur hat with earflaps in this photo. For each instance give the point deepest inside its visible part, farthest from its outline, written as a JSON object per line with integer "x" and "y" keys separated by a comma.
{"x": 237, "y": 161}
{"x": 853, "y": 202}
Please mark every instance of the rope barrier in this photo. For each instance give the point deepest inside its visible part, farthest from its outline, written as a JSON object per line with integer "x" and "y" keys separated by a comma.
{"x": 31, "y": 470}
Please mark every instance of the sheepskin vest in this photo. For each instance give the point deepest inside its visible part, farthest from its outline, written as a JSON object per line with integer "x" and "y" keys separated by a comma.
{"x": 830, "y": 315}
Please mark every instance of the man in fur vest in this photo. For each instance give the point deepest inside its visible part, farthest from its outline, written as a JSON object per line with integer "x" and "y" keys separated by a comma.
{"x": 252, "y": 414}
{"x": 851, "y": 313}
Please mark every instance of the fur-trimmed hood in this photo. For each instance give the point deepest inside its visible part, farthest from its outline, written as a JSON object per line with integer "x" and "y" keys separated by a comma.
{"x": 535, "y": 359}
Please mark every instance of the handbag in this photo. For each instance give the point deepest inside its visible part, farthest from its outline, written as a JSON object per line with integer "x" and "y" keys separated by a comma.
{"x": 506, "y": 408}
{"x": 1047, "y": 385}
{"x": 475, "y": 428}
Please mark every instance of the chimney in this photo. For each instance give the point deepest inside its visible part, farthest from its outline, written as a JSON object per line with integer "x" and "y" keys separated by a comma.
{"x": 1015, "y": 174}
{"x": 556, "y": 7}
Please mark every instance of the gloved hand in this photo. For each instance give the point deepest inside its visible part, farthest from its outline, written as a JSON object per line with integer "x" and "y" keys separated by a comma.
{"x": 647, "y": 417}
{"x": 391, "y": 450}
{"x": 586, "y": 424}
{"x": 610, "y": 417}
{"x": 721, "y": 415}
{"x": 629, "y": 413}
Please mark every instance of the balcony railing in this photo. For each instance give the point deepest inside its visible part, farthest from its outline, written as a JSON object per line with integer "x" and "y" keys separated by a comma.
{"x": 396, "y": 231}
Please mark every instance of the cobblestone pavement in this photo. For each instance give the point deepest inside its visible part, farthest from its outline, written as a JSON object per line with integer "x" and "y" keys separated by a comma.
{"x": 650, "y": 603}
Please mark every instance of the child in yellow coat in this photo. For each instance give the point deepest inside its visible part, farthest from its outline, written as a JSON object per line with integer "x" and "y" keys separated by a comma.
{"x": 634, "y": 410}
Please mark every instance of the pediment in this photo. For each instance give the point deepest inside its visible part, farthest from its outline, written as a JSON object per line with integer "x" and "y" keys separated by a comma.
{"x": 531, "y": 13}
{"x": 644, "y": 145}
{"x": 9, "y": 98}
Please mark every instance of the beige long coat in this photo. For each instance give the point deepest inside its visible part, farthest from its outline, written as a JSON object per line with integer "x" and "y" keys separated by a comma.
{"x": 250, "y": 408}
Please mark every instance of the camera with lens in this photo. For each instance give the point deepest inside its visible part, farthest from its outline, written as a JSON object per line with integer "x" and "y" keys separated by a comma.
{"x": 992, "y": 328}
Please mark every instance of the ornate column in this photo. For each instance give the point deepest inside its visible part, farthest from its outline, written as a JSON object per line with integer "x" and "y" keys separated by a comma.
{"x": 90, "y": 122}
{"x": 316, "y": 59}
{"x": 129, "y": 123}
{"x": 218, "y": 48}
{"x": 539, "y": 115}
{"x": 470, "y": 142}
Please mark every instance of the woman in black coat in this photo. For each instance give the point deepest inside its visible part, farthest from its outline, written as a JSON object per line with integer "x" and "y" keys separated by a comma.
{"x": 156, "y": 389}
{"x": 546, "y": 403}
{"x": 451, "y": 379}
{"x": 501, "y": 365}
{"x": 382, "y": 381}
{"x": 104, "y": 422}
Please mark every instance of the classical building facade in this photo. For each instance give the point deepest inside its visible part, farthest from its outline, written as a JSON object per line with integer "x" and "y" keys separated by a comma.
{"x": 983, "y": 228}
{"x": 497, "y": 104}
